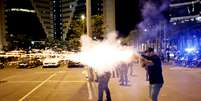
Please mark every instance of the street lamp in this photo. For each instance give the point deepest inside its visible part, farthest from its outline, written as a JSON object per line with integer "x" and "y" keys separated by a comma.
{"x": 82, "y": 17}
{"x": 83, "y": 24}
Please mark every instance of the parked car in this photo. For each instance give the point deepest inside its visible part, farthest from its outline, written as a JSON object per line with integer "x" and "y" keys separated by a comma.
{"x": 51, "y": 62}
{"x": 1, "y": 65}
{"x": 23, "y": 63}
{"x": 28, "y": 63}
{"x": 72, "y": 64}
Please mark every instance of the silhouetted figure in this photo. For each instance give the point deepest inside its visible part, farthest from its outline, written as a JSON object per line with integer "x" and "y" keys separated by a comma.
{"x": 168, "y": 56}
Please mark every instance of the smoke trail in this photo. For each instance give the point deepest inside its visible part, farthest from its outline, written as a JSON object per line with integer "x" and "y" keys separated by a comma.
{"x": 103, "y": 55}
{"x": 153, "y": 18}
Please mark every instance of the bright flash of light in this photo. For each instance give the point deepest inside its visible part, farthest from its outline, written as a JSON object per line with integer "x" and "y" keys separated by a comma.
{"x": 103, "y": 55}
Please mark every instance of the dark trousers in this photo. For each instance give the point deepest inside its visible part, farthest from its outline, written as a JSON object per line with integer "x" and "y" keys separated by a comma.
{"x": 101, "y": 89}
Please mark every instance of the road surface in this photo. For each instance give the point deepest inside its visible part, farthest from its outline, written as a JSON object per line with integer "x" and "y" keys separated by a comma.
{"x": 64, "y": 84}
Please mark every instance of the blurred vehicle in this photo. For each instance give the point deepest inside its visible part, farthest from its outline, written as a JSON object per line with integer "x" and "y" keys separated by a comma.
{"x": 1, "y": 65}
{"x": 24, "y": 63}
{"x": 37, "y": 61}
{"x": 72, "y": 64}
{"x": 16, "y": 53}
{"x": 51, "y": 62}
{"x": 28, "y": 62}
{"x": 2, "y": 52}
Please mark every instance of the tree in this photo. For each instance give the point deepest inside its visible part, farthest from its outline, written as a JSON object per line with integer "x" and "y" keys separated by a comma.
{"x": 77, "y": 28}
{"x": 74, "y": 33}
{"x": 97, "y": 26}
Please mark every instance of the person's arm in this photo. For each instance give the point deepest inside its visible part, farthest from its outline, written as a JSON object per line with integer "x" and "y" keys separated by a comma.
{"x": 144, "y": 62}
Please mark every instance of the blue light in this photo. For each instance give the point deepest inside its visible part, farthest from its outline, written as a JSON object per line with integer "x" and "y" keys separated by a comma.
{"x": 171, "y": 55}
{"x": 190, "y": 50}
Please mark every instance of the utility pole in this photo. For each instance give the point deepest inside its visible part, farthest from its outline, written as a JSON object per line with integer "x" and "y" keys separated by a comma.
{"x": 109, "y": 15}
{"x": 88, "y": 17}
{"x": 89, "y": 33}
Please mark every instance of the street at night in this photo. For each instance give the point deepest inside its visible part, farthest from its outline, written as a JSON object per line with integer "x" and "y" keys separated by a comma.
{"x": 70, "y": 84}
{"x": 100, "y": 50}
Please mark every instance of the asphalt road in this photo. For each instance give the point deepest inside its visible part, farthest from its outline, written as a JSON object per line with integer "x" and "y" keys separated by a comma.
{"x": 63, "y": 84}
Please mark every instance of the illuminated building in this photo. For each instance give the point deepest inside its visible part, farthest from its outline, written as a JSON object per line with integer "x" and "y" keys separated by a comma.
{"x": 55, "y": 16}
{"x": 23, "y": 25}
{"x": 34, "y": 20}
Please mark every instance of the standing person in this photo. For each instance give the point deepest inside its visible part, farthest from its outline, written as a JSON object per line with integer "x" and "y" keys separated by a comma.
{"x": 168, "y": 57}
{"x": 124, "y": 74}
{"x": 103, "y": 81}
{"x": 91, "y": 74}
{"x": 155, "y": 74}
{"x": 131, "y": 68}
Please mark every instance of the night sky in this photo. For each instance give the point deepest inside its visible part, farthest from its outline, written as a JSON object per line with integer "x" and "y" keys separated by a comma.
{"x": 127, "y": 15}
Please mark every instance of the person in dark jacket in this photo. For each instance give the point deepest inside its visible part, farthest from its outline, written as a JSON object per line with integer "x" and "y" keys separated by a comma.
{"x": 103, "y": 81}
{"x": 155, "y": 74}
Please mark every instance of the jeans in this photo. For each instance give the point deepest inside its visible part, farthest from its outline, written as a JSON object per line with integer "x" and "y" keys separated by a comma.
{"x": 101, "y": 89}
{"x": 124, "y": 76}
{"x": 154, "y": 90}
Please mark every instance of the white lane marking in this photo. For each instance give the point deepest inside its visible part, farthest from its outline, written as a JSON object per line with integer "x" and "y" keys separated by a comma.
{"x": 50, "y": 81}
{"x": 89, "y": 91}
{"x": 10, "y": 77}
{"x": 95, "y": 90}
{"x": 38, "y": 86}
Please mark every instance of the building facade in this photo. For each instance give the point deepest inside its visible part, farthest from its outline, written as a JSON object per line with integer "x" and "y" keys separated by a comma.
{"x": 43, "y": 11}
{"x": 68, "y": 9}
{"x": 55, "y": 16}
{"x": 96, "y": 8}
{"x": 23, "y": 25}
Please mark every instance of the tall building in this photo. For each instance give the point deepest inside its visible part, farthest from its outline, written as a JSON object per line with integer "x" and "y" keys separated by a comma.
{"x": 67, "y": 12}
{"x": 2, "y": 25}
{"x": 23, "y": 25}
{"x": 43, "y": 11}
{"x": 55, "y": 16}
{"x": 34, "y": 20}
{"x": 57, "y": 19}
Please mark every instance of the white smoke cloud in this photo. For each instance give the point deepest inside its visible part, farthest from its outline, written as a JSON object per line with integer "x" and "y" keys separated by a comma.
{"x": 103, "y": 55}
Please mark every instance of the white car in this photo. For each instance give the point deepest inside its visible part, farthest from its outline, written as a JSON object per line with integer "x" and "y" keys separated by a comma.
{"x": 51, "y": 62}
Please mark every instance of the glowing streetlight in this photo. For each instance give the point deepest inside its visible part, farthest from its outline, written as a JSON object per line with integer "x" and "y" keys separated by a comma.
{"x": 83, "y": 17}
{"x": 83, "y": 20}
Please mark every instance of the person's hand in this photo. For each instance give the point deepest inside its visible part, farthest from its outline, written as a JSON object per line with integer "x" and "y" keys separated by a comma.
{"x": 144, "y": 62}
